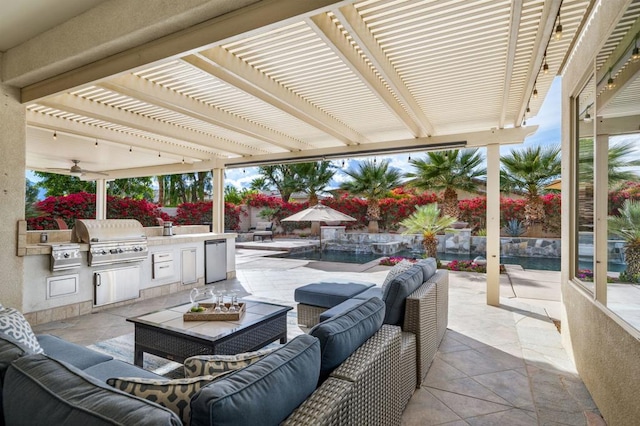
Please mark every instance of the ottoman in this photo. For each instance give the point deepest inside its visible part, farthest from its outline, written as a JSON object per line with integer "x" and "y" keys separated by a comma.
{"x": 315, "y": 298}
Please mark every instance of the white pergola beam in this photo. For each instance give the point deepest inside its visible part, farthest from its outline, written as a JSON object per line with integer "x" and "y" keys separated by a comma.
{"x": 358, "y": 30}
{"x": 334, "y": 38}
{"x": 514, "y": 28}
{"x": 547, "y": 25}
{"x": 97, "y": 110}
{"x": 227, "y": 67}
{"x": 514, "y": 135}
{"x": 61, "y": 125}
{"x": 243, "y": 22}
{"x": 155, "y": 94}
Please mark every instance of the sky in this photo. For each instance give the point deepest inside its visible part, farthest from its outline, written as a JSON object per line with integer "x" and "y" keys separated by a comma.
{"x": 548, "y": 119}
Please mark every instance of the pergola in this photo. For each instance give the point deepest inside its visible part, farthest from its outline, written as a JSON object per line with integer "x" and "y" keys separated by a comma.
{"x": 238, "y": 84}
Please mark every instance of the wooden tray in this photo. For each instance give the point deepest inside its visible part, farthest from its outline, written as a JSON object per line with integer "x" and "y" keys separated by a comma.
{"x": 209, "y": 315}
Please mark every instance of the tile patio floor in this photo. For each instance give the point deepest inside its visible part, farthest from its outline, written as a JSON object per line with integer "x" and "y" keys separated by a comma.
{"x": 496, "y": 365}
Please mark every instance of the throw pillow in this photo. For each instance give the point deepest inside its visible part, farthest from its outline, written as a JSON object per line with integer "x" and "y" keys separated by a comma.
{"x": 14, "y": 325}
{"x": 216, "y": 365}
{"x": 173, "y": 394}
{"x": 397, "y": 269}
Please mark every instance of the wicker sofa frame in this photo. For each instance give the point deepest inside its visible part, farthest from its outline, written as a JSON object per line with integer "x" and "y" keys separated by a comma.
{"x": 426, "y": 316}
{"x": 371, "y": 387}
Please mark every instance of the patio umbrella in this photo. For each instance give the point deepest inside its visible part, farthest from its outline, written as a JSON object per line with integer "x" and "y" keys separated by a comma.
{"x": 319, "y": 213}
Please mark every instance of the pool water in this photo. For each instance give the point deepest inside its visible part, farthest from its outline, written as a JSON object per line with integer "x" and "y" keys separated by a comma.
{"x": 538, "y": 263}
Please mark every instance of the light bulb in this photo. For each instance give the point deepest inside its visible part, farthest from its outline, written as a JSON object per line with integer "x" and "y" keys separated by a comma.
{"x": 558, "y": 34}
{"x": 55, "y": 135}
{"x": 635, "y": 56}
{"x": 587, "y": 118}
{"x": 96, "y": 145}
{"x": 130, "y": 149}
{"x": 611, "y": 83}
{"x": 535, "y": 93}
{"x": 545, "y": 68}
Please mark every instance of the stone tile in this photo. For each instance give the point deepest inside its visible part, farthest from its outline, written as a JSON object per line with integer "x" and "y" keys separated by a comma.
{"x": 440, "y": 372}
{"x": 511, "y": 386}
{"x": 513, "y": 417}
{"x": 472, "y": 362}
{"x": 469, "y": 387}
{"x": 425, "y": 409}
{"x": 465, "y": 406}
{"x": 449, "y": 344}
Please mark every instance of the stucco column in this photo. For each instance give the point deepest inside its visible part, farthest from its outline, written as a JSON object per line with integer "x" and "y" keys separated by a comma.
{"x": 217, "y": 218}
{"x": 12, "y": 193}
{"x": 101, "y": 199}
{"x": 493, "y": 224}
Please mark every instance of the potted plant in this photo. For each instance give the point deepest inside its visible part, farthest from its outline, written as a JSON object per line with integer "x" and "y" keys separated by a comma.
{"x": 427, "y": 221}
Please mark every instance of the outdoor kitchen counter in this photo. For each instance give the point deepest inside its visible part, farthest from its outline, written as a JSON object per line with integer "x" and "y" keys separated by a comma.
{"x": 45, "y": 248}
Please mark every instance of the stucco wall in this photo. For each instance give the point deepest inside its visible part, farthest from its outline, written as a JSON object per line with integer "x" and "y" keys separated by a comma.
{"x": 12, "y": 187}
{"x": 606, "y": 356}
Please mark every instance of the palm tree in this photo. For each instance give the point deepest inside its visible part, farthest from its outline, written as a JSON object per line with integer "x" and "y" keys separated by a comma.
{"x": 281, "y": 176}
{"x": 450, "y": 171}
{"x": 313, "y": 178}
{"x": 620, "y": 160}
{"x": 627, "y": 226}
{"x": 427, "y": 220}
{"x": 372, "y": 181}
{"x": 530, "y": 170}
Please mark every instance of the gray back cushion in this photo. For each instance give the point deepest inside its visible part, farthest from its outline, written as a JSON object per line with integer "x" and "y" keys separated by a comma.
{"x": 265, "y": 392}
{"x": 79, "y": 356}
{"x": 429, "y": 267}
{"x": 39, "y": 390}
{"x": 342, "y": 334}
{"x": 397, "y": 291}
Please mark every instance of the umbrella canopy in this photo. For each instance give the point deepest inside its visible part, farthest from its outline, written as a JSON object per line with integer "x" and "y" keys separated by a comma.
{"x": 319, "y": 213}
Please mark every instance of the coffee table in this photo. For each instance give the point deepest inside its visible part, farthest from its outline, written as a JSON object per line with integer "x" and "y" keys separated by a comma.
{"x": 165, "y": 334}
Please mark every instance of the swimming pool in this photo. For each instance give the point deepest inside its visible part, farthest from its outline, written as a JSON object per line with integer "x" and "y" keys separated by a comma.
{"x": 539, "y": 263}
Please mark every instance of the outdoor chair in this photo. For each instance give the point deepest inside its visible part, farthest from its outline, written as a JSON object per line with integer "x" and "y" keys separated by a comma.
{"x": 262, "y": 230}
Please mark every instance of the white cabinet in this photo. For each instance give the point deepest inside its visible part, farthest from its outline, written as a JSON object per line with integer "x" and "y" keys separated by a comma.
{"x": 162, "y": 265}
{"x": 189, "y": 272}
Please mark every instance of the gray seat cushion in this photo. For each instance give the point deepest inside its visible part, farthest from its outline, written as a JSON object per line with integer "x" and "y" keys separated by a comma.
{"x": 116, "y": 368}
{"x": 76, "y": 355}
{"x": 342, "y": 334}
{"x": 60, "y": 394}
{"x": 264, "y": 393}
{"x": 397, "y": 291}
{"x": 328, "y": 294}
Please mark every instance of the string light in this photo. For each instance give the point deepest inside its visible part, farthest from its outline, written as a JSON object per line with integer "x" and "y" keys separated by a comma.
{"x": 535, "y": 92}
{"x": 409, "y": 158}
{"x": 96, "y": 145}
{"x": 610, "y": 82}
{"x": 130, "y": 149}
{"x": 182, "y": 160}
{"x": 159, "y": 155}
{"x": 342, "y": 164}
{"x": 55, "y": 135}
{"x": 558, "y": 34}
{"x": 545, "y": 66}
{"x": 635, "y": 54}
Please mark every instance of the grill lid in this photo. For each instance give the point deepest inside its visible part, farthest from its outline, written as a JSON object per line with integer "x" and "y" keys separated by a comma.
{"x": 107, "y": 230}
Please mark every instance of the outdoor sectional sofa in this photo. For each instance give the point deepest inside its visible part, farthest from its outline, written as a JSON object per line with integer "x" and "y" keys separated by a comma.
{"x": 416, "y": 299}
{"x": 351, "y": 369}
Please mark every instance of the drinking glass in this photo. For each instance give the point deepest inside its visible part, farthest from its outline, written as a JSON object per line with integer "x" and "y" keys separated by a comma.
{"x": 194, "y": 296}
{"x": 233, "y": 306}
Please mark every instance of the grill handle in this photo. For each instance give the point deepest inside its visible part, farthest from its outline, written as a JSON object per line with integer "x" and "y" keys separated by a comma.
{"x": 98, "y": 280}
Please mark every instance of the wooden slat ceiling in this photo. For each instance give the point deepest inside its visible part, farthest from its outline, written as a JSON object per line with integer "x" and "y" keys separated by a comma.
{"x": 377, "y": 73}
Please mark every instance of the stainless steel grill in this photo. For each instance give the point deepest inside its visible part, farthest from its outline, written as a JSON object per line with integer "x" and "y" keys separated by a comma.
{"x": 111, "y": 241}
{"x": 65, "y": 256}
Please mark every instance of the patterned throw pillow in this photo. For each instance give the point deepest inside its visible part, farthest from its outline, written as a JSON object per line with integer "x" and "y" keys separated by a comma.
{"x": 14, "y": 325}
{"x": 216, "y": 365}
{"x": 397, "y": 269}
{"x": 173, "y": 394}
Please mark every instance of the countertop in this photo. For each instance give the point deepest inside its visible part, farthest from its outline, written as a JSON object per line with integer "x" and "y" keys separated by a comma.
{"x": 45, "y": 248}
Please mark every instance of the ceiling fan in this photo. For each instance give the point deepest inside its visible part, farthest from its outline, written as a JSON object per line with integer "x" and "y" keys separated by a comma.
{"x": 78, "y": 171}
